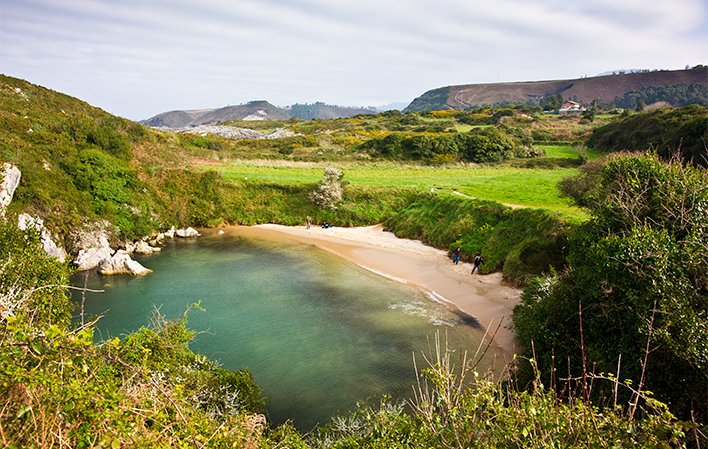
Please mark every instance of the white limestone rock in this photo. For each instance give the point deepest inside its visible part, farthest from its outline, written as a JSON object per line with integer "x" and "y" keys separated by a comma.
{"x": 91, "y": 257}
{"x": 170, "y": 233}
{"x": 121, "y": 263}
{"x": 10, "y": 180}
{"x": 26, "y": 221}
{"x": 189, "y": 232}
{"x": 142, "y": 247}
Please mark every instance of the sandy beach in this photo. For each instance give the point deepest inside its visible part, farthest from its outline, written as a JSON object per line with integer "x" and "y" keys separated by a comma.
{"x": 480, "y": 296}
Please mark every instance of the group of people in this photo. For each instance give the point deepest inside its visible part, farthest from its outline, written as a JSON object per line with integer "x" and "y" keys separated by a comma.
{"x": 308, "y": 223}
{"x": 477, "y": 261}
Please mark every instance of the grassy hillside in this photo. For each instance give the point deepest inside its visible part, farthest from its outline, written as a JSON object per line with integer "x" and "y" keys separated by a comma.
{"x": 82, "y": 164}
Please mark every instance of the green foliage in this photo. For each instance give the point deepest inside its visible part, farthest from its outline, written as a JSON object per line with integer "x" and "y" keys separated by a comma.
{"x": 520, "y": 243}
{"x": 31, "y": 283}
{"x": 552, "y": 102}
{"x": 638, "y": 271}
{"x": 75, "y": 160}
{"x": 678, "y": 95}
{"x": 668, "y": 131}
{"x": 479, "y": 145}
{"x": 458, "y": 408}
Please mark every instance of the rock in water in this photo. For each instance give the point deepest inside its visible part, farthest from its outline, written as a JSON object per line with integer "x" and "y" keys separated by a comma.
{"x": 91, "y": 257}
{"x": 91, "y": 244}
{"x": 121, "y": 263}
{"x": 189, "y": 232}
{"x": 10, "y": 181}
{"x": 170, "y": 233}
{"x": 142, "y": 247}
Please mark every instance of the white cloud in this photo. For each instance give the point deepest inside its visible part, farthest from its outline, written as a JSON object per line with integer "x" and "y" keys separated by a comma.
{"x": 140, "y": 57}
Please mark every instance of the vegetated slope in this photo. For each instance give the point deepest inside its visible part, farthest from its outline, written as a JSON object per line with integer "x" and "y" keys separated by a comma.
{"x": 633, "y": 300}
{"x": 669, "y": 131}
{"x": 81, "y": 164}
{"x": 253, "y": 110}
{"x": 603, "y": 88}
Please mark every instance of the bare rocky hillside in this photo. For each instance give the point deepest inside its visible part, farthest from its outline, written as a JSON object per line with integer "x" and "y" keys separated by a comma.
{"x": 603, "y": 88}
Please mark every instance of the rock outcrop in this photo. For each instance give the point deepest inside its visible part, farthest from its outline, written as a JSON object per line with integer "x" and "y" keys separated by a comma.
{"x": 91, "y": 257}
{"x": 142, "y": 247}
{"x": 170, "y": 233}
{"x": 121, "y": 263}
{"x": 92, "y": 246}
{"x": 26, "y": 221}
{"x": 233, "y": 132}
{"x": 9, "y": 182}
{"x": 189, "y": 232}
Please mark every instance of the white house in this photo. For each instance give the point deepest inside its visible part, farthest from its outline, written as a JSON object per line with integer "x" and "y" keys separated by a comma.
{"x": 571, "y": 107}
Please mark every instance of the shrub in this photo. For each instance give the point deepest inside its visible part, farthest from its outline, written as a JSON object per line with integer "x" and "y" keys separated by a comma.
{"x": 668, "y": 131}
{"x": 329, "y": 191}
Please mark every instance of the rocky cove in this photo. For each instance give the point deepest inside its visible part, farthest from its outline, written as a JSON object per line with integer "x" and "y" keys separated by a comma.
{"x": 90, "y": 245}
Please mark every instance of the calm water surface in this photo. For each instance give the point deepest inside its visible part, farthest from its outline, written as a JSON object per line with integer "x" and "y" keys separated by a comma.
{"x": 318, "y": 333}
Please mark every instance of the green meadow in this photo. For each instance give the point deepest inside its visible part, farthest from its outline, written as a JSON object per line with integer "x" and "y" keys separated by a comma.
{"x": 517, "y": 187}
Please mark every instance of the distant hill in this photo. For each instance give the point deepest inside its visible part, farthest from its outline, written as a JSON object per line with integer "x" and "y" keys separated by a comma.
{"x": 253, "y": 110}
{"x": 603, "y": 88}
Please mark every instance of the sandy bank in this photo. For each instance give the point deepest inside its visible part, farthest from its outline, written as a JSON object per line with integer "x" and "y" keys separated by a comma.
{"x": 410, "y": 261}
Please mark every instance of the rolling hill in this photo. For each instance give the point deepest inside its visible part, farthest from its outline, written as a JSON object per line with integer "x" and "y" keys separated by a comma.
{"x": 603, "y": 88}
{"x": 253, "y": 110}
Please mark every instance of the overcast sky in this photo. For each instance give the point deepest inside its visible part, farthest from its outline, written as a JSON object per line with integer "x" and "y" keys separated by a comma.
{"x": 137, "y": 58}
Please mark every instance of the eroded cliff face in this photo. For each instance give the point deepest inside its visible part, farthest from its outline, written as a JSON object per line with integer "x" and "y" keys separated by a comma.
{"x": 10, "y": 180}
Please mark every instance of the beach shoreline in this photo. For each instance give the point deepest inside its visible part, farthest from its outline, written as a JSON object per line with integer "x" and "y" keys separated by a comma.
{"x": 482, "y": 297}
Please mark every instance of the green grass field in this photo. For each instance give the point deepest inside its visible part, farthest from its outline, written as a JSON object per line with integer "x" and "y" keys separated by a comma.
{"x": 509, "y": 185}
{"x": 569, "y": 151}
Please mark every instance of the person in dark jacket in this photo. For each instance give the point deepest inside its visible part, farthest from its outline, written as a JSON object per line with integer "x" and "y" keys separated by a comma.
{"x": 478, "y": 260}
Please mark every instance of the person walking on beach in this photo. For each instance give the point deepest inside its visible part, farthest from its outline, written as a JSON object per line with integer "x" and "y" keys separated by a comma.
{"x": 478, "y": 260}
{"x": 308, "y": 221}
{"x": 456, "y": 255}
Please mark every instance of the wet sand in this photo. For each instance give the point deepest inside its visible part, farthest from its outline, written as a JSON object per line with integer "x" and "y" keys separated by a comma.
{"x": 481, "y": 296}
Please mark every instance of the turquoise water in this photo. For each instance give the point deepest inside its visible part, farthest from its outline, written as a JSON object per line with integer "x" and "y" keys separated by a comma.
{"x": 318, "y": 333}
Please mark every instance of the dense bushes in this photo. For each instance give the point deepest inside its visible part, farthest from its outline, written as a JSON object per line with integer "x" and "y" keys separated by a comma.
{"x": 479, "y": 145}
{"x": 457, "y": 408}
{"x": 679, "y": 95}
{"x": 520, "y": 243}
{"x": 637, "y": 280}
{"x": 669, "y": 131}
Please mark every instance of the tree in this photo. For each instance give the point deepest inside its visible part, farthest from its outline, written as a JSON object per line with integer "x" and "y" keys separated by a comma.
{"x": 329, "y": 191}
{"x": 552, "y": 102}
